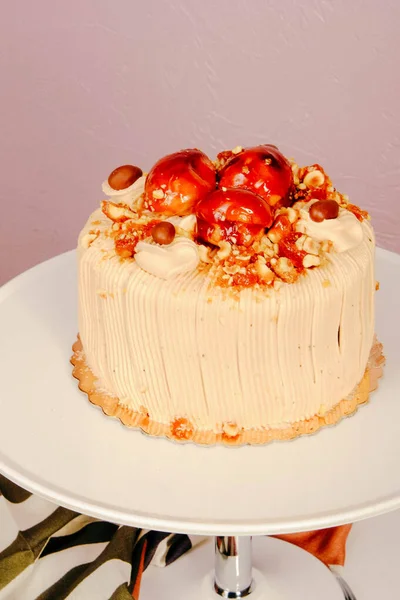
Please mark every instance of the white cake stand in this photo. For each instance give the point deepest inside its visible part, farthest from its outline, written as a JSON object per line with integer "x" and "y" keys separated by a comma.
{"x": 55, "y": 444}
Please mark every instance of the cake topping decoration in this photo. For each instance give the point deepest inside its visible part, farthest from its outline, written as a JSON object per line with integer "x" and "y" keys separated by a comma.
{"x": 324, "y": 209}
{"x": 179, "y": 256}
{"x": 127, "y": 236}
{"x": 178, "y": 181}
{"x": 124, "y": 184}
{"x": 252, "y": 219}
{"x": 117, "y": 212}
{"x": 314, "y": 179}
{"x": 344, "y": 231}
{"x": 123, "y": 177}
{"x": 163, "y": 233}
{"x": 236, "y": 215}
{"x": 262, "y": 170}
{"x": 186, "y": 225}
{"x": 182, "y": 429}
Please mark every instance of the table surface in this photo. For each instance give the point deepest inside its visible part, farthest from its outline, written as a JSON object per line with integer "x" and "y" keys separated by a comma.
{"x": 53, "y": 442}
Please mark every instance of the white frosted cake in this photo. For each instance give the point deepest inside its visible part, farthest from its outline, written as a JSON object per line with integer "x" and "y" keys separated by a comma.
{"x": 228, "y": 301}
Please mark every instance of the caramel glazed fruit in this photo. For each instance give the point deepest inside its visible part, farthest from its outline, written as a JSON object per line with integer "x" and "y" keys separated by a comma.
{"x": 228, "y": 301}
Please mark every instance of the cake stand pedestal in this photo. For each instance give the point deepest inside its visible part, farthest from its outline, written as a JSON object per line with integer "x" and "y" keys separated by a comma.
{"x": 280, "y": 571}
{"x": 54, "y": 443}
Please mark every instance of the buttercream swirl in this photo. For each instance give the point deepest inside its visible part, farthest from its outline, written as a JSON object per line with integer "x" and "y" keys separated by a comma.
{"x": 180, "y": 256}
{"x": 128, "y": 195}
{"x": 345, "y": 232}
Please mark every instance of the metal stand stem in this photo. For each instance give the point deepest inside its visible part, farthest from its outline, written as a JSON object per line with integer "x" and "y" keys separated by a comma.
{"x": 233, "y": 566}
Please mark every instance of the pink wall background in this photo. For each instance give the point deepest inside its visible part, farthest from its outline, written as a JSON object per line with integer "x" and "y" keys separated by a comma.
{"x": 87, "y": 85}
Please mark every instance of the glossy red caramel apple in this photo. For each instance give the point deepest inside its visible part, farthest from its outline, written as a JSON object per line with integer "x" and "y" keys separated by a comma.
{"x": 263, "y": 170}
{"x": 178, "y": 181}
{"x": 238, "y": 216}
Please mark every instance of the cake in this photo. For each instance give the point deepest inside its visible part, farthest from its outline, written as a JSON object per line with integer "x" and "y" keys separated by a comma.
{"x": 227, "y": 301}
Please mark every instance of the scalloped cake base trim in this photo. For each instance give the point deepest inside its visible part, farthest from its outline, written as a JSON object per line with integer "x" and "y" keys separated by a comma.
{"x": 181, "y": 430}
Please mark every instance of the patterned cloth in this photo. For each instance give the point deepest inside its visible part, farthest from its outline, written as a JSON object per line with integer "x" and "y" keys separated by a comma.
{"x": 52, "y": 553}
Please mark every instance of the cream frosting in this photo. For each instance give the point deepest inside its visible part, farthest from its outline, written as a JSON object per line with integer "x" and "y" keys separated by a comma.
{"x": 345, "y": 232}
{"x": 167, "y": 261}
{"x": 129, "y": 195}
{"x": 183, "y": 347}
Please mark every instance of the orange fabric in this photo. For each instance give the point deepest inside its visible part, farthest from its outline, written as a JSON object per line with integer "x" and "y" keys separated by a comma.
{"x": 329, "y": 545}
{"x": 136, "y": 589}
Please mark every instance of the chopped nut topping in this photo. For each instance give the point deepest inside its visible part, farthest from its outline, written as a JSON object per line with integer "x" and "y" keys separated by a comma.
{"x": 280, "y": 228}
{"x": 265, "y": 273}
{"x": 274, "y": 235}
{"x": 204, "y": 254}
{"x": 314, "y": 179}
{"x": 232, "y": 269}
{"x": 182, "y": 429}
{"x": 263, "y": 244}
{"x": 117, "y": 212}
{"x": 269, "y": 253}
{"x": 311, "y": 261}
{"x": 125, "y": 242}
{"x": 88, "y": 239}
{"x": 158, "y": 194}
{"x": 300, "y": 227}
{"x": 140, "y": 203}
{"x": 357, "y": 212}
{"x": 237, "y": 150}
{"x": 300, "y": 242}
{"x": 311, "y": 246}
{"x": 284, "y": 268}
{"x": 243, "y": 259}
{"x": 326, "y": 246}
{"x": 292, "y": 215}
{"x": 230, "y": 429}
{"x": 224, "y": 251}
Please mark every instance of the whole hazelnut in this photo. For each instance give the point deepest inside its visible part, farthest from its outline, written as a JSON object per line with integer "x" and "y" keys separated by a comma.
{"x": 122, "y": 177}
{"x": 163, "y": 233}
{"x": 324, "y": 209}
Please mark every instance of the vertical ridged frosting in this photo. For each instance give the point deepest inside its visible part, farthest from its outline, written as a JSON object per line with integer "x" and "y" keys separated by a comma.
{"x": 186, "y": 348}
